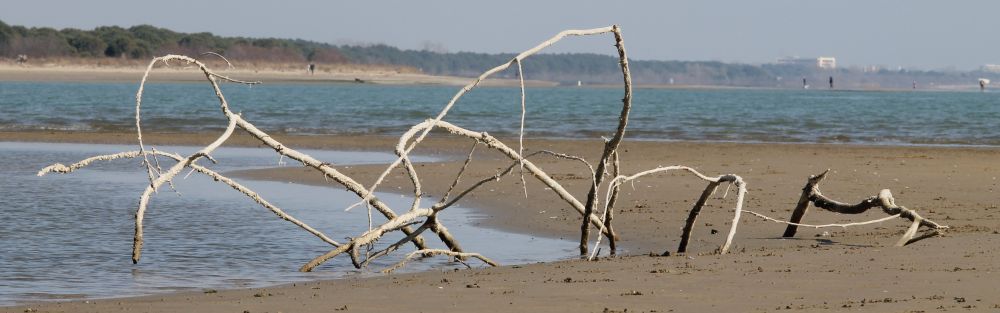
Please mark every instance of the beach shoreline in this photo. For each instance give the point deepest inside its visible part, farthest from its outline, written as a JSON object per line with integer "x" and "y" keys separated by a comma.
{"x": 182, "y": 73}
{"x": 858, "y": 266}
{"x": 128, "y": 72}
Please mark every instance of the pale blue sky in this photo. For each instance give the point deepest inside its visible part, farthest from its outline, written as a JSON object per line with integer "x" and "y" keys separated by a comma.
{"x": 916, "y": 34}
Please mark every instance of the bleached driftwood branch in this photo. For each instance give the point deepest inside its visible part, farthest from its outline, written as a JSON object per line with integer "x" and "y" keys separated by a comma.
{"x": 157, "y": 176}
{"x": 63, "y": 169}
{"x": 884, "y": 200}
{"x": 611, "y": 147}
{"x": 841, "y": 225}
{"x": 408, "y": 141}
{"x": 425, "y": 216}
{"x": 713, "y": 183}
{"x": 475, "y": 82}
{"x": 280, "y": 148}
{"x": 432, "y": 252}
{"x": 493, "y": 143}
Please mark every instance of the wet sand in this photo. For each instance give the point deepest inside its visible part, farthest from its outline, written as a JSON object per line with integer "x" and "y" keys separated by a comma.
{"x": 833, "y": 269}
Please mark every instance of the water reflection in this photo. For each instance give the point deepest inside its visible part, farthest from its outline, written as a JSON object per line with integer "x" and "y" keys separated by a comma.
{"x": 70, "y": 236}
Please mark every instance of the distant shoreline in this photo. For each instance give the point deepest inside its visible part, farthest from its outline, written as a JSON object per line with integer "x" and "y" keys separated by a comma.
{"x": 347, "y": 74}
{"x": 77, "y": 71}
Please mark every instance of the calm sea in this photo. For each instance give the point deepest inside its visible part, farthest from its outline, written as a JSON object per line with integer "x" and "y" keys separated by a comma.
{"x": 806, "y": 116}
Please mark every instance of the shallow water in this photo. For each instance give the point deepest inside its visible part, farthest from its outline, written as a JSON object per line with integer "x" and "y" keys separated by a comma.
{"x": 802, "y": 116}
{"x": 69, "y": 236}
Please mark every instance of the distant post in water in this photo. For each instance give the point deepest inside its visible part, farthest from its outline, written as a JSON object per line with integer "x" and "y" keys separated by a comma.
{"x": 804, "y": 84}
{"x": 831, "y": 82}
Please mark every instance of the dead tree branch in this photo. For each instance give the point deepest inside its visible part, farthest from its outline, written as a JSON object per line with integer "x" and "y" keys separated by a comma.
{"x": 884, "y": 200}
{"x": 63, "y": 169}
{"x": 713, "y": 183}
{"x": 611, "y": 146}
{"x": 408, "y": 141}
{"x": 432, "y": 252}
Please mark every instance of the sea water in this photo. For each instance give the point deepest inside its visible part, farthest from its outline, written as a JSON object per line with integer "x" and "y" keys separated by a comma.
{"x": 69, "y": 236}
{"x": 740, "y": 115}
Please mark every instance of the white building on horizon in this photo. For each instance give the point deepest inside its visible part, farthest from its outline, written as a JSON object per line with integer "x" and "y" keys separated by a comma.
{"x": 826, "y": 62}
{"x": 820, "y": 62}
{"x": 990, "y": 68}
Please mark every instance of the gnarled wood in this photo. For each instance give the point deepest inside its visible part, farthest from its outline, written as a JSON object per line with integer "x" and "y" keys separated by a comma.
{"x": 611, "y": 147}
{"x": 884, "y": 201}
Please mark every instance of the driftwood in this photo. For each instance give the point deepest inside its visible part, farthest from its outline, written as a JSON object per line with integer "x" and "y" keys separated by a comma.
{"x": 425, "y": 217}
{"x": 458, "y": 256}
{"x": 416, "y": 213}
{"x": 63, "y": 169}
{"x": 611, "y": 147}
{"x": 713, "y": 182}
{"x": 884, "y": 201}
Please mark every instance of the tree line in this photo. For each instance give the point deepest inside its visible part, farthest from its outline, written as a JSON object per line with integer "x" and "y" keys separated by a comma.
{"x": 146, "y": 41}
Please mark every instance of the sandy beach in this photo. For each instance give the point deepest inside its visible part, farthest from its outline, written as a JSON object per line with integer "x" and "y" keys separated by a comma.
{"x": 832, "y": 269}
{"x": 53, "y": 72}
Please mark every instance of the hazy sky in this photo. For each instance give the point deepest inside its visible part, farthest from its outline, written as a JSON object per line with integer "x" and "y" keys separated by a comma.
{"x": 916, "y": 34}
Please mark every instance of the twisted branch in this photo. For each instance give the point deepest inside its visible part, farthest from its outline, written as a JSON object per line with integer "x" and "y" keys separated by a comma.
{"x": 884, "y": 200}
{"x": 611, "y": 146}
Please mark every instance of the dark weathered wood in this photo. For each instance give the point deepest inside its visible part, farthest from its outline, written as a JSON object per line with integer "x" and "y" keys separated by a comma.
{"x": 609, "y": 214}
{"x": 608, "y": 217}
{"x": 799, "y": 212}
{"x": 884, "y": 200}
{"x": 803, "y": 206}
{"x": 693, "y": 216}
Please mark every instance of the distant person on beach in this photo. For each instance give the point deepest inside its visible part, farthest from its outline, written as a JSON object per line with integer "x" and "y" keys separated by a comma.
{"x": 831, "y": 82}
{"x": 804, "y": 84}
{"x": 982, "y": 85}
{"x": 312, "y": 68}
{"x": 914, "y": 85}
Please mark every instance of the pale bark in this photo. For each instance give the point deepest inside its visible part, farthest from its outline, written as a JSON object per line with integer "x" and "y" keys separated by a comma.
{"x": 841, "y": 225}
{"x": 407, "y": 143}
{"x": 63, "y": 169}
{"x": 369, "y": 237}
{"x": 144, "y": 199}
{"x": 433, "y": 252}
{"x": 493, "y": 143}
{"x": 608, "y": 209}
{"x": 475, "y": 82}
{"x": 729, "y": 178}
